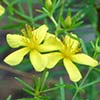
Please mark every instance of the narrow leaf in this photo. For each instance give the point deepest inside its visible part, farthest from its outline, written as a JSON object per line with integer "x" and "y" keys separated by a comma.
{"x": 62, "y": 91}
{"x": 24, "y": 83}
{"x": 28, "y": 91}
{"x": 9, "y": 97}
{"x": 91, "y": 83}
{"x": 26, "y": 99}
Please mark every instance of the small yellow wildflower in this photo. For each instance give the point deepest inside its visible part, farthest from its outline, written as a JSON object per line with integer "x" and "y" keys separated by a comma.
{"x": 69, "y": 51}
{"x": 30, "y": 42}
{"x": 2, "y": 10}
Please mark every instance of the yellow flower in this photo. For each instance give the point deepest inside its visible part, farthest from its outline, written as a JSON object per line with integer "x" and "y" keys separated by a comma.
{"x": 30, "y": 42}
{"x": 2, "y": 10}
{"x": 69, "y": 51}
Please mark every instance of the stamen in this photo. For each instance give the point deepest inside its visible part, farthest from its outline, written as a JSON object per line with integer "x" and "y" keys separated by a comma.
{"x": 70, "y": 47}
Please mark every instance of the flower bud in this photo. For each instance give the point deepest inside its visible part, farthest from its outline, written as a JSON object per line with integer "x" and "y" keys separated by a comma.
{"x": 97, "y": 45}
{"x": 98, "y": 49}
{"x": 2, "y": 10}
{"x": 68, "y": 21}
{"x": 48, "y": 4}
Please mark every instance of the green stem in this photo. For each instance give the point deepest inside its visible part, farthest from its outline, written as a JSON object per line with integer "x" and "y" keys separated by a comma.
{"x": 75, "y": 94}
{"x": 76, "y": 91}
{"x": 43, "y": 79}
{"x": 90, "y": 69}
{"x": 76, "y": 85}
{"x": 95, "y": 55}
{"x": 78, "y": 88}
{"x": 61, "y": 11}
{"x": 41, "y": 83}
{"x": 54, "y": 21}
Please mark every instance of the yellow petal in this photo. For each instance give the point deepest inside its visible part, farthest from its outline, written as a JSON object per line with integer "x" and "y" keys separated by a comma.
{"x": 2, "y": 10}
{"x": 71, "y": 41}
{"x": 84, "y": 59}
{"x": 53, "y": 59}
{"x": 51, "y": 43}
{"x": 16, "y": 57}
{"x": 72, "y": 70}
{"x": 40, "y": 33}
{"x": 38, "y": 60}
{"x": 15, "y": 41}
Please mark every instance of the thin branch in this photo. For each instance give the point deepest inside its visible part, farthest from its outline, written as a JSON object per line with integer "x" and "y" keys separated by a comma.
{"x": 18, "y": 72}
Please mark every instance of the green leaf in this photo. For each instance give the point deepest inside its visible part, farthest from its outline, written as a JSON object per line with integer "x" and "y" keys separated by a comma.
{"x": 20, "y": 8}
{"x": 26, "y": 99}
{"x": 62, "y": 91}
{"x": 78, "y": 24}
{"x": 97, "y": 69}
{"x": 37, "y": 98}
{"x": 6, "y": 2}
{"x": 56, "y": 4}
{"x": 28, "y": 91}
{"x": 14, "y": 2}
{"x": 91, "y": 83}
{"x": 10, "y": 26}
{"x": 17, "y": 20}
{"x": 29, "y": 3}
{"x": 54, "y": 88}
{"x": 24, "y": 83}
{"x": 9, "y": 97}
{"x": 90, "y": 12}
{"x": 91, "y": 2}
{"x": 24, "y": 16}
{"x": 40, "y": 17}
{"x": 78, "y": 16}
{"x": 83, "y": 46}
{"x": 43, "y": 79}
{"x": 46, "y": 11}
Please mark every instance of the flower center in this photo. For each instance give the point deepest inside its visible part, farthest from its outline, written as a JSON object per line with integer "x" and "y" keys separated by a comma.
{"x": 70, "y": 49}
{"x": 31, "y": 43}
{"x": 30, "y": 39}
